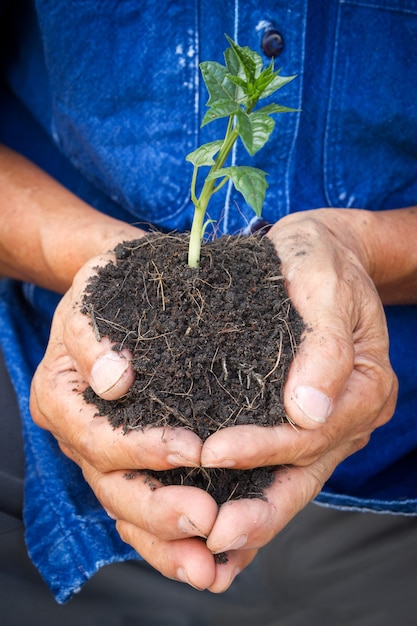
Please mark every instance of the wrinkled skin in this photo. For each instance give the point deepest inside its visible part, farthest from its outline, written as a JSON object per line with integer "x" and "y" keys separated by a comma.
{"x": 340, "y": 388}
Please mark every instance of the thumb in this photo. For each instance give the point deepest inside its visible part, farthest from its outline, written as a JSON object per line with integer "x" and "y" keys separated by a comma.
{"x": 111, "y": 374}
{"x": 318, "y": 375}
{"x": 107, "y": 371}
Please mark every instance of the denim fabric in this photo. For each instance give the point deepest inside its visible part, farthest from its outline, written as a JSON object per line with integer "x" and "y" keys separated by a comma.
{"x": 108, "y": 98}
{"x": 68, "y": 534}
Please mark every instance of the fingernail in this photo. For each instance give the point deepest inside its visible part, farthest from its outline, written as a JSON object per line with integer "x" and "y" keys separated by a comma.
{"x": 236, "y": 544}
{"x": 186, "y": 526}
{"x": 210, "y": 458}
{"x": 182, "y": 576}
{"x": 313, "y": 403}
{"x": 107, "y": 371}
{"x": 225, "y": 463}
{"x": 180, "y": 460}
{"x": 113, "y": 517}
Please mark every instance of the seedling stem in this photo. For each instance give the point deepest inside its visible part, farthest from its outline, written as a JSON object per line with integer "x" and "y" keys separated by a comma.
{"x": 234, "y": 91}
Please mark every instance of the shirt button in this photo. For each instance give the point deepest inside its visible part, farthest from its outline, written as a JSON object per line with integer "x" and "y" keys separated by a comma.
{"x": 257, "y": 226}
{"x": 272, "y": 43}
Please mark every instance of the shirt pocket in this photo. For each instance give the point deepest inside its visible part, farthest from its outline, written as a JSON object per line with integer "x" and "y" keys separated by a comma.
{"x": 124, "y": 111}
{"x": 370, "y": 153}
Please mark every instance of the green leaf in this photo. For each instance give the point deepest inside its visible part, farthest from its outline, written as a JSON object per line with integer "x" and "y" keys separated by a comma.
{"x": 249, "y": 181}
{"x": 248, "y": 60}
{"x": 277, "y": 83}
{"x": 232, "y": 63}
{"x": 204, "y": 154}
{"x": 254, "y": 130}
{"x": 240, "y": 82}
{"x": 264, "y": 79}
{"x": 220, "y": 109}
{"x": 218, "y": 85}
{"x": 269, "y": 109}
{"x": 234, "y": 92}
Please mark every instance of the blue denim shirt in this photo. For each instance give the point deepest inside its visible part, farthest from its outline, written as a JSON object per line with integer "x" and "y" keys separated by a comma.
{"x": 108, "y": 99}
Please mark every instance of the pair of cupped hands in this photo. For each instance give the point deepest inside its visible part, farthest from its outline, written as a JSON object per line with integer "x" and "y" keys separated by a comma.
{"x": 340, "y": 388}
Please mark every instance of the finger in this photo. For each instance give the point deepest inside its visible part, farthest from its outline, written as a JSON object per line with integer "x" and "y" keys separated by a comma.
{"x": 249, "y": 446}
{"x": 184, "y": 560}
{"x": 57, "y": 404}
{"x": 227, "y": 571}
{"x": 173, "y": 512}
{"x": 342, "y": 312}
{"x": 329, "y": 357}
{"x": 367, "y": 403}
{"x": 251, "y": 524}
{"x": 325, "y": 357}
{"x": 108, "y": 371}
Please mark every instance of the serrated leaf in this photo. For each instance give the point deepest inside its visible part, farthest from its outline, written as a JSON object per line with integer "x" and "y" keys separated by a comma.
{"x": 204, "y": 154}
{"x": 249, "y": 181}
{"x": 254, "y": 130}
{"x": 218, "y": 85}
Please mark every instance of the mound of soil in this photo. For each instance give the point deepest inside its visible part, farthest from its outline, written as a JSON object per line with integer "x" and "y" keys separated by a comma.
{"x": 211, "y": 347}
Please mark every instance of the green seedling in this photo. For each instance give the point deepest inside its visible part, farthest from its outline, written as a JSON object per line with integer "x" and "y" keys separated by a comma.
{"x": 234, "y": 92}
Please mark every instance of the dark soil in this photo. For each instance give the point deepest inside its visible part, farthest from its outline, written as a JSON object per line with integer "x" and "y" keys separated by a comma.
{"x": 212, "y": 347}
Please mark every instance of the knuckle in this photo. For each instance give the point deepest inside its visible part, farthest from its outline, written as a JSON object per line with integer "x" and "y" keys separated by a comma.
{"x": 313, "y": 447}
{"x": 125, "y": 531}
{"x": 83, "y": 442}
{"x": 97, "y": 483}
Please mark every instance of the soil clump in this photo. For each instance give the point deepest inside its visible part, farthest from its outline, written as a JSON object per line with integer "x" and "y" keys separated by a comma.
{"x": 211, "y": 347}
